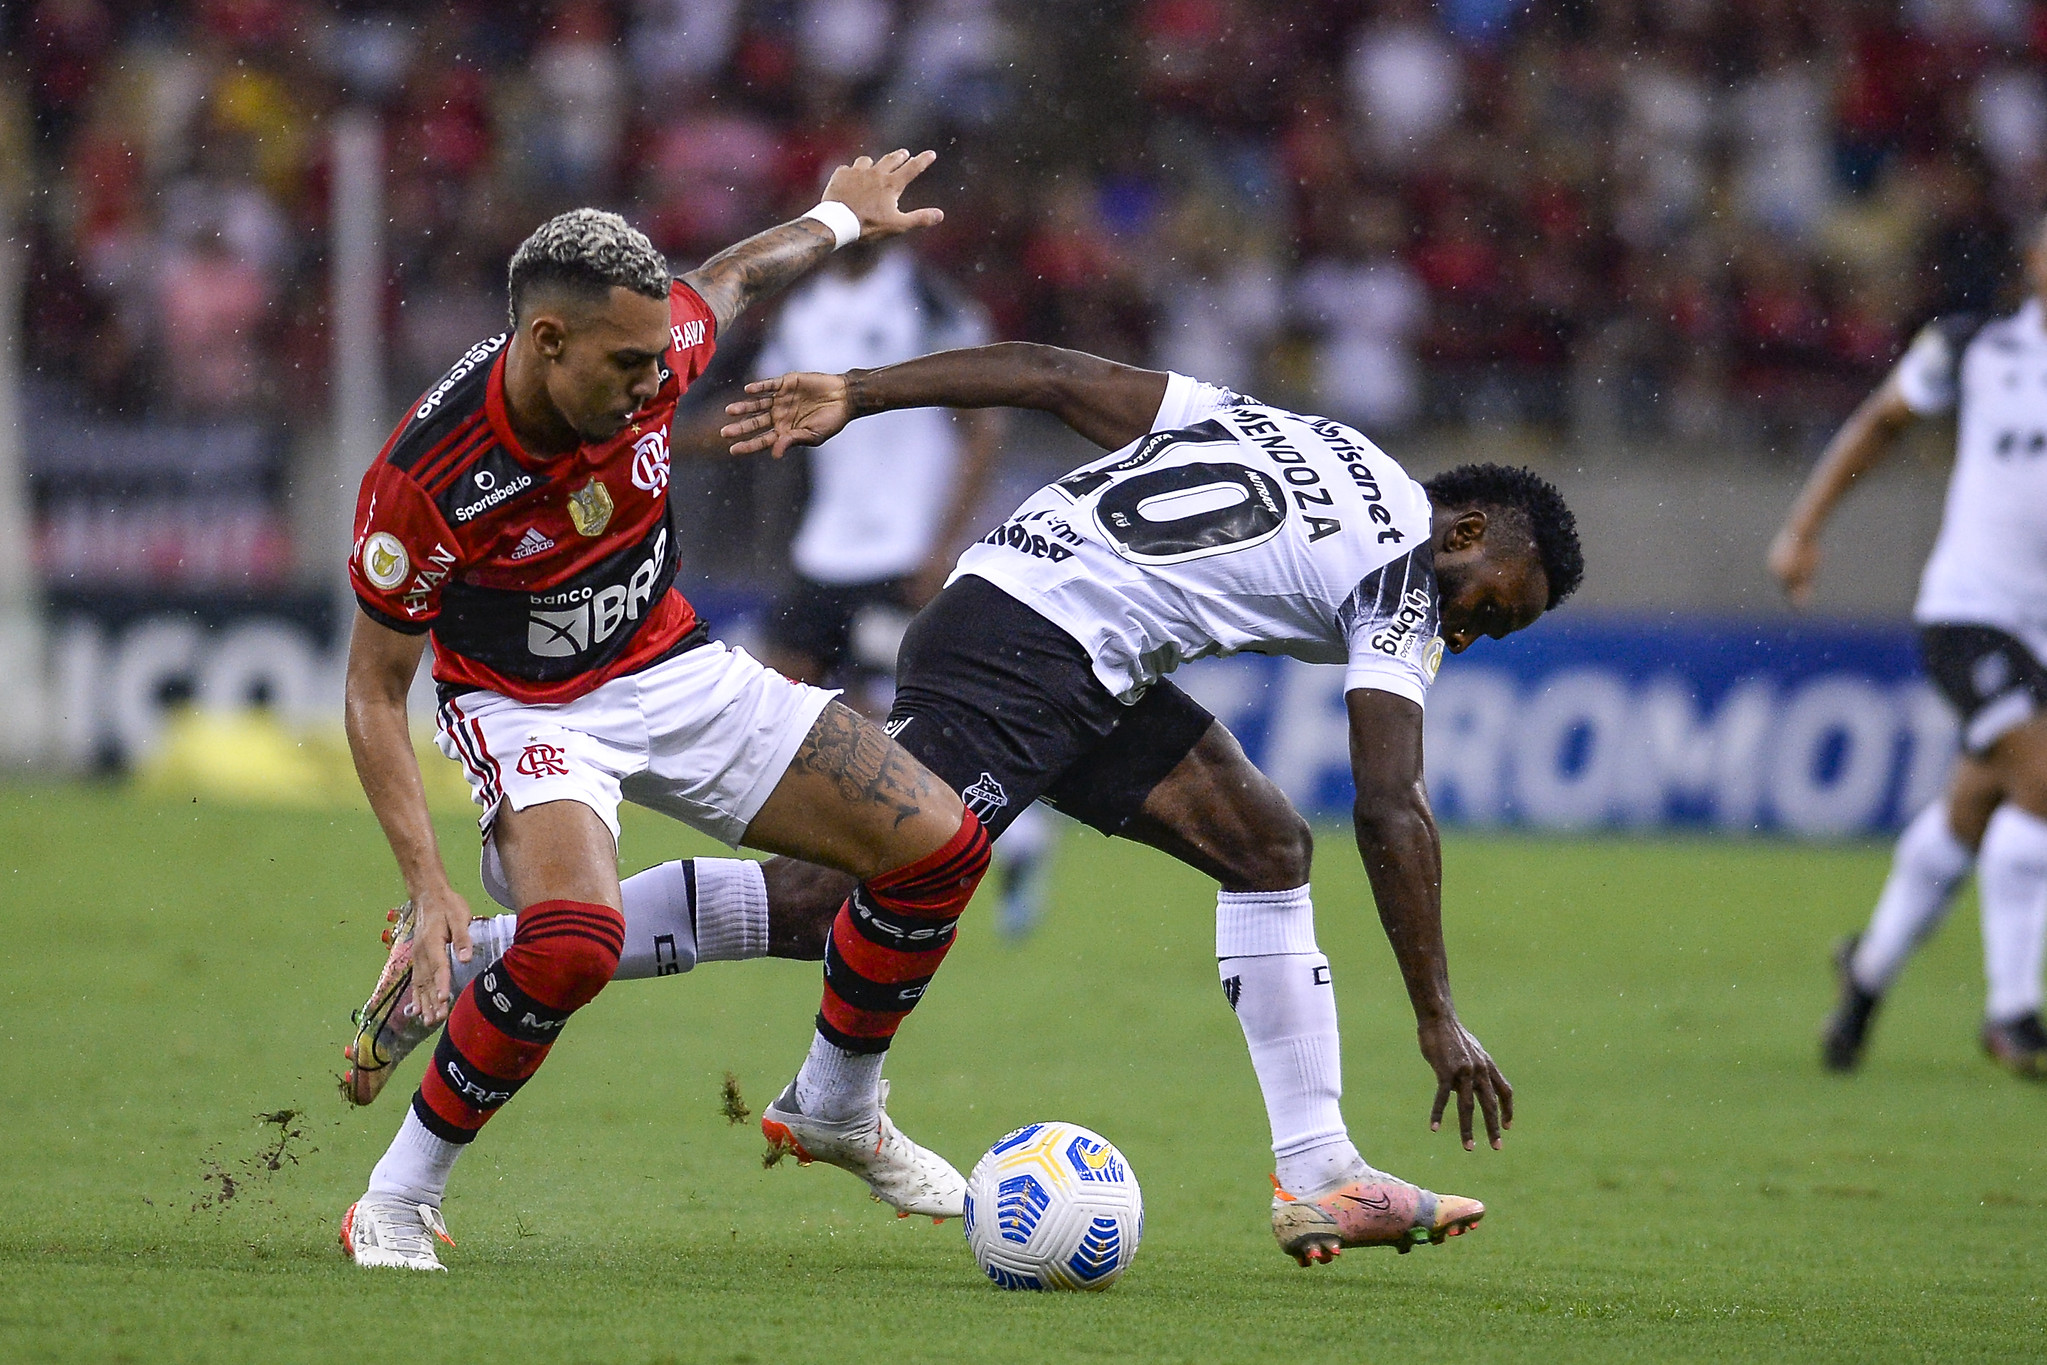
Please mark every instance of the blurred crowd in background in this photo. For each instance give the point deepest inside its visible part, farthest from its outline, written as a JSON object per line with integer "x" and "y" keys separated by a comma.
{"x": 1677, "y": 223}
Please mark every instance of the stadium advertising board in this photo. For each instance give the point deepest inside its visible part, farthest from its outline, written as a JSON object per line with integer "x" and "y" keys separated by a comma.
{"x": 1808, "y": 728}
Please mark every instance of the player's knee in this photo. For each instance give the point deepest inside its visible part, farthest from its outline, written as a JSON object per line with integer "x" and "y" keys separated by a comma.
{"x": 1279, "y": 858}
{"x": 566, "y": 951}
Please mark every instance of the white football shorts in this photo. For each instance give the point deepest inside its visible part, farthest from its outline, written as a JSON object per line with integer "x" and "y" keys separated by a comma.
{"x": 702, "y": 737}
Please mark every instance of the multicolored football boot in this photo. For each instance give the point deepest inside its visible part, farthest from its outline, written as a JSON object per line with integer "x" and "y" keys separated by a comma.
{"x": 1378, "y": 1211}
{"x": 386, "y": 1028}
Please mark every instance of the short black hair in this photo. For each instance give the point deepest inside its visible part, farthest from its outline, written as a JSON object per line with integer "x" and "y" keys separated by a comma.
{"x": 1532, "y": 499}
{"x": 589, "y": 251}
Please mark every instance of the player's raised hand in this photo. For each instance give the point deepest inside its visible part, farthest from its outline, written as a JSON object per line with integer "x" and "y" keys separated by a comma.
{"x": 443, "y": 923}
{"x": 1795, "y": 560}
{"x": 1462, "y": 1066}
{"x": 872, "y": 189}
{"x": 790, "y": 410}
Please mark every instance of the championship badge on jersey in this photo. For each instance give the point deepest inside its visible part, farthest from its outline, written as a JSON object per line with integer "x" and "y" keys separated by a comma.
{"x": 590, "y": 508}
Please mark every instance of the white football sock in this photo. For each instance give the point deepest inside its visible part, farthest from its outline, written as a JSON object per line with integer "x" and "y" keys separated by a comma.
{"x": 488, "y": 939}
{"x": 2011, "y": 880}
{"x": 1278, "y": 983}
{"x": 417, "y": 1164}
{"x": 676, "y": 915}
{"x": 835, "y": 1084}
{"x": 1927, "y": 869}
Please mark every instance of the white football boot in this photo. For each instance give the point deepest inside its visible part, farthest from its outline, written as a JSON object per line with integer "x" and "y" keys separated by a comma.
{"x": 908, "y": 1178}
{"x": 384, "y": 1230}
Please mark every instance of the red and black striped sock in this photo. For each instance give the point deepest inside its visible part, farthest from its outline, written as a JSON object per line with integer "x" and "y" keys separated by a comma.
{"x": 506, "y": 1020}
{"x": 889, "y": 938}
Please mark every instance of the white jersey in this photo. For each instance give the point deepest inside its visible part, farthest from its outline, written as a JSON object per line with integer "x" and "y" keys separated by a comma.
{"x": 878, "y": 489}
{"x": 1232, "y": 526}
{"x": 1989, "y": 566}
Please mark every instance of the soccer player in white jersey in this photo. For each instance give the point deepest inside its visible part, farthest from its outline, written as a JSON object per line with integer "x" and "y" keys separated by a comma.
{"x": 1982, "y": 616}
{"x": 890, "y": 499}
{"x": 1217, "y": 525}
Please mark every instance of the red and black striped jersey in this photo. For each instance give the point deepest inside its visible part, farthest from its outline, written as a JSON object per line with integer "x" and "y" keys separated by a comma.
{"x": 540, "y": 578}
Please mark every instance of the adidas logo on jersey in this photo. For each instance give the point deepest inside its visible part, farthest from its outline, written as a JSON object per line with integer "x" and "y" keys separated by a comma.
{"x": 530, "y": 544}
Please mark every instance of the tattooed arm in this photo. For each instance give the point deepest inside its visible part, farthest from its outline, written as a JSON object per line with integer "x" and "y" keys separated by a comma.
{"x": 739, "y": 276}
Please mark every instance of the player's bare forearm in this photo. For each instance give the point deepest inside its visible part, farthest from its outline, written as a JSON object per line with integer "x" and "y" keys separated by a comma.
{"x": 1856, "y": 448}
{"x": 381, "y": 662}
{"x": 871, "y": 188}
{"x": 1109, "y": 404}
{"x": 743, "y": 274}
{"x": 1794, "y": 554}
{"x": 1403, "y": 858}
{"x": 1397, "y": 840}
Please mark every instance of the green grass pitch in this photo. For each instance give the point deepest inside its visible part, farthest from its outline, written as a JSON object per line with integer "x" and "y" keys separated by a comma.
{"x": 1684, "y": 1182}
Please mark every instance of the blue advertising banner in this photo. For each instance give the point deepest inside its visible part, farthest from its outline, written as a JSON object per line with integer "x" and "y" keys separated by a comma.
{"x": 1806, "y": 727}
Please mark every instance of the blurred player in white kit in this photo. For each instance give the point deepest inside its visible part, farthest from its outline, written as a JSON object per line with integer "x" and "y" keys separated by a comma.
{"x": 1982, "y": 616}
{"x": 891, "y": 503}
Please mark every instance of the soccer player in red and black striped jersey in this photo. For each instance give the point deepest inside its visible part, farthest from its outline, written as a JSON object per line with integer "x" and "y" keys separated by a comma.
{"x": 517, "y": 518}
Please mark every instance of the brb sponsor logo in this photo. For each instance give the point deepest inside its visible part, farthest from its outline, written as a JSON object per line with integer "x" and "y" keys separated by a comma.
{"x": 650, "y": 462}
{"x": 544, "y": 760}
{"x": 572, "y": 620}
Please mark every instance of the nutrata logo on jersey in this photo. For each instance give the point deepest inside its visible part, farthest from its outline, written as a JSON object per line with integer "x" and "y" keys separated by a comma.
{"x": 568, "y": 622}
{"x": 650, "y": 462}
{"x": 687, "y": 334}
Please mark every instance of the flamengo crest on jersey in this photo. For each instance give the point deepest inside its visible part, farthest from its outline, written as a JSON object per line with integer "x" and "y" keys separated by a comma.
{"x": 1231, "y": 526}
{"x": 1989, "y": 565}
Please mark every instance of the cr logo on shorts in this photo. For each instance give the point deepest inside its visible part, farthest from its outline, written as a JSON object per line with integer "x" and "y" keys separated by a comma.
{"x": 650, "y": 462}
{"x": 544, "y": 760}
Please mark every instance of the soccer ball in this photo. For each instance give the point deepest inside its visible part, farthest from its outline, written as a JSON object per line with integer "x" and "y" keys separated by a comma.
{"x": 1053, "y": 1206}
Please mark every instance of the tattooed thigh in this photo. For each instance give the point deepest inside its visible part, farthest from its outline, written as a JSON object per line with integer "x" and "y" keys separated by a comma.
{"x": 863, "y": 764}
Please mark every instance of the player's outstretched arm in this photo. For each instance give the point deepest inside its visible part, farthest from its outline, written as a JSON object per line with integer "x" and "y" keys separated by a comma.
{"x": 1857, "y": 446}
{"x": 742, "y": 275}
{"x": 1404, "y": 859}
{"x": 1110, "y": 404}
{"x": 381, "y": 662}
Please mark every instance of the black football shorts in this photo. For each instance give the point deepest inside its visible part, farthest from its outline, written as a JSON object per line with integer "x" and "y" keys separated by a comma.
{"x": 1991, "y": 679}
{"x": 1005, "y": 707}
{"x": 816, "y": 619}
